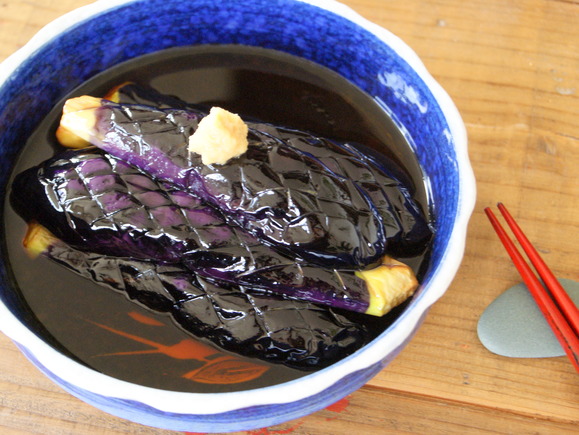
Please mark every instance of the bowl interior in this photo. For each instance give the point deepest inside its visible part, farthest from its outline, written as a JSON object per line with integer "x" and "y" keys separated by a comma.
{"x": 89, "y": 46}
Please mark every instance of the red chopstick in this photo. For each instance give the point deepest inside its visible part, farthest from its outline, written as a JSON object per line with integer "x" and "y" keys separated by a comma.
{"x": 565, "y": 303}
{"x": 563, "y": 318}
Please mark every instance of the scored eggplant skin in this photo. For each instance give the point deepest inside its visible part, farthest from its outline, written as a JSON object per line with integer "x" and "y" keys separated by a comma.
{"x": 297, "y": 334}
{"x": 406, "y": 226}
{"x": 302, "y": 194}
{"x": 98, "y": 203}
{"x": 276, "y": 192}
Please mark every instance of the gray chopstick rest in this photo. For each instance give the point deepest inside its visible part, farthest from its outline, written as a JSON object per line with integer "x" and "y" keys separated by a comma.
{"x": 513, "y": 326}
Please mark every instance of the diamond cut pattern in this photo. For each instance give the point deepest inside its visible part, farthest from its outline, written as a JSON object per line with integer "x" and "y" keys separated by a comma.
{"x": 285, "y": 189}
{"x": 129, "y": 215}
{"x": 102, "y": 192}
{"x": 273, "y": 329}
{"x": 252, "y": 191}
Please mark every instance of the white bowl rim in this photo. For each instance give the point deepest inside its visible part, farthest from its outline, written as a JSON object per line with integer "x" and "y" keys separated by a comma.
{"x": 208, "y": 404}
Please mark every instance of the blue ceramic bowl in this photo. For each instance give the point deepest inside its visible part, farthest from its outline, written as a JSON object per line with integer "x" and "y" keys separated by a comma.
{"x": 91, "y": 39}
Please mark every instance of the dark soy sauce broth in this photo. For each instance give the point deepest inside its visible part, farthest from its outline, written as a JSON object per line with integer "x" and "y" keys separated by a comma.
{"x": 106, "y": 331}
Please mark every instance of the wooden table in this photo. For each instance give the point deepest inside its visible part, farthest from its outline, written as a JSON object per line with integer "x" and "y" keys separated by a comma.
{"x": 512, "y": 67}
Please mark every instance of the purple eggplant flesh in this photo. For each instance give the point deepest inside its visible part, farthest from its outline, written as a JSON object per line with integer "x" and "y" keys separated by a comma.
{"x": 95, "y": 202}
{"x": 297, "y": 334}
{"x": 303, "y": 195}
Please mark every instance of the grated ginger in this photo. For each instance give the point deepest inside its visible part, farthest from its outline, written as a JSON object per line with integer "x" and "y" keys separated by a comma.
{"x": 220, "y": 136}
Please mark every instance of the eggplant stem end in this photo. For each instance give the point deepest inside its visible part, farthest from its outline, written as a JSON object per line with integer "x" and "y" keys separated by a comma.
{"x": 389, "y": 284}
{"x": 37, "y": 239}
{"x": 78, "y": 121}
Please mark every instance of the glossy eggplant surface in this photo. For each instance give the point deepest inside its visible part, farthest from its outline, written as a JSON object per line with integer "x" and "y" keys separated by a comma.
{"x": 406, "y": 226}
{"x": 297, "y": 334}
{"x": 304, "y": 195}
{"x": 97, "y": 203}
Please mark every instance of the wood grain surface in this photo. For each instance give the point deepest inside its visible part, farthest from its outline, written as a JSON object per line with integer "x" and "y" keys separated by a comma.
{"x": 512, "y": 68}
